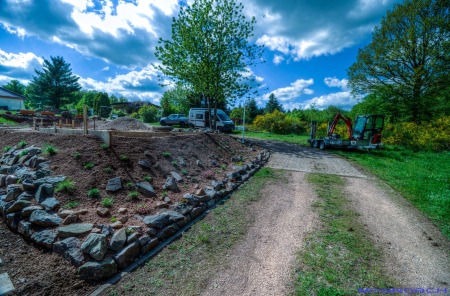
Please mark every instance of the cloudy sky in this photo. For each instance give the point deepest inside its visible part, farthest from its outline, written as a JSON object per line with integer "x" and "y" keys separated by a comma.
{"x": 110, "y": 44}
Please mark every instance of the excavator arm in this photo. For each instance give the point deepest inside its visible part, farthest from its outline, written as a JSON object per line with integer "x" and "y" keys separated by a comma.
{"x": 348, "y": 123}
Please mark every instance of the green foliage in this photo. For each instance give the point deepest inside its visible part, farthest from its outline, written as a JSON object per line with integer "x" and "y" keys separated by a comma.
{"x": 104, "y": 146}
{"x": 87, "y": 98}
{"x": 49, "y": 149}
{"x": 54, "y": 85}
{"x": 15, "y": 86}
{"x": 237, "y": 114}
{"x": 22, "y": 144}
{"x": 133, "y": 195}
{"x": 407, "y": 61}
{"x": 23, "y": 153}
{"x": 88, "y": 165}
{"x": 71, "y": 205}
{"x": 108, "y": 169}
{"x": 7, "y": 148}
{"x": 148, "y": 178}
{"x": 113, "y": 219}
{"x": 176, "y": 100}
{"x": 100, "y": 100}
{"x": 107, "y": 202}
{"x": 67, "y": 186}
{"x": 434, "y": 135}
{"x": 184, "y": 172}
{"x": 76, "y": 155}
{"x": 93, "y": 193}
{"x": 166, "y": 154}
{"x": 272, "y": 105}
{"x": 124, "y": 158}
{"x": 148, "y": 113}
{"x": 209, "y": 50}
{"x": 279, "y": 123}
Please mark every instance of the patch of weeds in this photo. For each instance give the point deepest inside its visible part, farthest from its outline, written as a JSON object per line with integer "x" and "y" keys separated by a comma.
{"x": 108, "y": 169}
{"x": 166, "y": 154}
{"x": 104, "y": 146}
{"x": 22, "y": 144}
{"x": 7, "y": 148}
{"x": 93, "y": 193}
{"x": 107, "y": 202}
{"x": 66, "y": 186}
{"x": 88, "y": 166}
{"x": 76, "y": 155}
{"x": 148, "y": 178}
{"x": 129, "y": 231}
{"x": 113, "y": 219}
{"x": 174, "y": 163}
{"x": 49, "y": 149}
{"x": 124, "y": 158}
{"x": 71, "y": 205}
{"x": 223, "y": 167}
{"x": 130, "y": 185}
{"x": 23, "y": 153}
{"x": 164, "y": 193}
{"x": 133, "y": 195}
{"x": 184, "y": 172}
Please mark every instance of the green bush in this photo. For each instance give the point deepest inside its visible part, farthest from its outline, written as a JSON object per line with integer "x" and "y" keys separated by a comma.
{"x": 279, "y": 123}
{"x": 88, "y": 165}
{"x": 66, "y": 186}
{"x": 93, "y": 192}
{"x": 148, "y": 113}
{"x": 107, "y": 202}
{"x": 50, "y": 149}
{"x": 22, "y": 144}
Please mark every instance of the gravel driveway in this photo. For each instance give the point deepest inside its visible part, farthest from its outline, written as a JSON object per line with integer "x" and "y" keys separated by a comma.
{"x": 415, "y": 253}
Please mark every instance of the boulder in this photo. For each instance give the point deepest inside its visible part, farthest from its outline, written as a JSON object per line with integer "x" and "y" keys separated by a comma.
{"x": 182, "y": 208}
{"x": 64, "y": 213}
{"x": 42, "y": 218}
{"x": 177, "y": 177}
{"x": 114, "y": 184}
{"x": 44, "y": 238}
{"x": 149, "y": 245}
{"x": 117, "y": 225}
{"x": 146, "y": 164}
{"x": 18, "y": 206}
{"x": 118, "y": 240}
{"x": 216, "y": 185}
{"x": 127, "y": 255}
{"x": 13, "y": 220}
{"x": 98, "y": 270}
{"x": 25, "y": 196}
{"x": 160, "y": 220}
{"x": 25, "y": 228}
{"x": 50, "y": 204}
{"x": 75, "y": 230}
{"x": 69, "y": 248}
{"x": 28, "y": 185}
{"x": 145, "y": 189}
{"x": 45, "y": 190}
{"x": 13, "y": 191}
{"x": 50, "y": 180}
{"x": 181, "y": 162}
{"x": 26, "y": 212}
{"x": 167, "y": 232}
{"x": 95, "y": 245}
{"x": 191, "y": 199}
{"x": 103, "y": 212}
{"x": 72, "y": 218}
{"x": 171, "y": 184}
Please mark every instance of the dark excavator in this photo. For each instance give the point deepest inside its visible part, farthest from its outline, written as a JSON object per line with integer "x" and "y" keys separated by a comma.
{"x": 364, "y": 134}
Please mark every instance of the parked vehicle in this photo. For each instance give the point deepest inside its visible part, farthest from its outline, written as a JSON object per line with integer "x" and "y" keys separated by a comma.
{"x": 366, "y": 134}
{"x": 173, "y": 119}
{"x": 199, "y": 118}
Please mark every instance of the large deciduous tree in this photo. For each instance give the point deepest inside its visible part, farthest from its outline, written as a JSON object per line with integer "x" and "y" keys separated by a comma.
{"x": 210, "y": 50}
{"x": 15, "y": 86}
{"x": 408, "y": 60}
{"x": 54, "y": 85}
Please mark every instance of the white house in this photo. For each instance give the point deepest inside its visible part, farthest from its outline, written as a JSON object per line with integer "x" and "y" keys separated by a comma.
{"x": 10, "y": 100}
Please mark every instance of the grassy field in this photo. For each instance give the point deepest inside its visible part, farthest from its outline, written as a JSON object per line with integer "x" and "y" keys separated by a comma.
{"x": 185, "y": 266}
{"x": 5, "y": 121}
{"x": 291, "y": 138}
{"x": 338, "y": 258}
{"x": 421, "y": 177}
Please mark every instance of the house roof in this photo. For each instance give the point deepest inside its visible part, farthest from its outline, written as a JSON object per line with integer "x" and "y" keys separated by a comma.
{"x": 5, "y": 93}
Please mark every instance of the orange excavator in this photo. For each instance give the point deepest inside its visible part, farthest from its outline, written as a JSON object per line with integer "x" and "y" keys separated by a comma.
{"x": 365, "y": 134}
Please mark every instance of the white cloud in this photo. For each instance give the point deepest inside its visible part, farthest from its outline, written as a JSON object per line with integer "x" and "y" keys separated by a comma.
{"x": 19, "y": 65}
{"x": 341, "y": 99}
{"x": 105, "y": 68}
{"x": 277, "y": 59}
{"x": 292, "y": 92}
{"x": 334, "y": 82}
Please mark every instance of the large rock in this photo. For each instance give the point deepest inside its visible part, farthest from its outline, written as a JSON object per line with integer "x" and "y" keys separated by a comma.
{"x": 145, "y": 189}
{"x": 161, "y": 220}
{"x": 50, "y": 204}
{"x": 98, "y": 270}
{"x": 18, "y": 206}
{"x": 171, "y": 184}
{"x": 42, "y": 218}
{"x": 191, "y": 199}
{"x": 146, "y": 164}
{"x": 25, "y": 228}
{"x": 26, "y": 212}
{"x": 50, "y": 180}
{"x": 13, "y": 191}
{"x": 182, "y": 208}
{"x": 177, "y": 177}
{"x": 127, "y": 256}
{"x": 75, "y": 230}
{"x": 167, "y": 232}
{"x": 25, "y": 196}
{"x": 69, "y": 248}
{"x": 149, "y": 245}
{"x": 44, "y": 238}
{"x": 118, "y": 240}
{"x": 114, "y": 184}
{"x": 95, "y": 245}
{"x": 13, "y": 220}
{"x": 2, "y": 180}
{"x": 11, "y": 179}
{"x": 45, "y": 190}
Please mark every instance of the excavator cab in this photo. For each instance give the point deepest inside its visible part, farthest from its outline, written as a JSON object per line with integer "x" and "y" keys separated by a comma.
{"x": 368, "y": 127}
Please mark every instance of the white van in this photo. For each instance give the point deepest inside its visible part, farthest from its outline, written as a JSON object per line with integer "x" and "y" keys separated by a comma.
{"x": 199, "y": 118}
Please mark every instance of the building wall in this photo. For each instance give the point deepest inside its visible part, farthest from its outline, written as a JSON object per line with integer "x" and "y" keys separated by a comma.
{"x": 12, "y": 104}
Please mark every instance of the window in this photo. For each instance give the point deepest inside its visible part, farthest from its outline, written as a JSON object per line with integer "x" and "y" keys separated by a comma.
{"x": 199, "y": 116}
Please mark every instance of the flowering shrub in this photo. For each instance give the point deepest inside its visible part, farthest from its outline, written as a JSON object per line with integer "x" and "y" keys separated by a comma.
{"x": 279, "y": 123}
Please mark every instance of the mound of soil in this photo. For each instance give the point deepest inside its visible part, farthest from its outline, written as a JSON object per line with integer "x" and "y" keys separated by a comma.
{"x": 123, "y": 124}
{"x": 198, "y": 158}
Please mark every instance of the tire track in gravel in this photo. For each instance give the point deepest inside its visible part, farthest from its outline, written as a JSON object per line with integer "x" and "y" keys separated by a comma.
{"x": 415, "y": 252}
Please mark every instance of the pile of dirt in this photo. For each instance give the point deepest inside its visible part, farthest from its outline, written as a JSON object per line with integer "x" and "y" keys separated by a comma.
{"x": 123, "y": 124}
{"x": 199, "y": 158}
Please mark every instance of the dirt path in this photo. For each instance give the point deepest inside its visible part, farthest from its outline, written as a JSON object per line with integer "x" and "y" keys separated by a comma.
{"x": 262, "y": 263}
{"x": 415, "y": 252}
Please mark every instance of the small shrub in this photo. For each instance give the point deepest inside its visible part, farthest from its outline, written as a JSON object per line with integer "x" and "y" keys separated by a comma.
{"x": 23, "y": 153}
{"x": 88, "y": 165}
{"x": 22, "y": 144}
{"x": 166, "y": 154}
{"x": 7, "y": 148}
{"x": 66, "y": 186}
{"x": 107, "y": 202}
{"x": 133, "y": 195}
{"x": 164, "y": 193}
{"x": 108, "y": 170}
{"x": 130, "y": 185}
{"x": 104, "y": 146}
{"x": 50, "y": 149}
{"x": 113, "y": 219}
{"x": 71, "y": 205}
{"x": 223, "y": 167}
{"x": 148, "y": 179}
{"x": 184, "y": 172}
{"x": 174, "y": 163}
{"x": 93, "y": 193}
{"x": 76, "y": 155}
{"x": 124, "y": 157}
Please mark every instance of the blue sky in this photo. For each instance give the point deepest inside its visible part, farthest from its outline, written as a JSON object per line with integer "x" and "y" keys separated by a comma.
{"x": 110, "y": 44}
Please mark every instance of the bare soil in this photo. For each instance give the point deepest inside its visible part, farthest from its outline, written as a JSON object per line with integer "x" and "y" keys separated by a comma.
{"x": 35, "y": 271}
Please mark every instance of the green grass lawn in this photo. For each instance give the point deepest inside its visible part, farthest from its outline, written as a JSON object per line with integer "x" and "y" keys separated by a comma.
{"x": 421, "y": 177}
{"x": 291, "y": 138}
{"x": 6, "y": 121}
